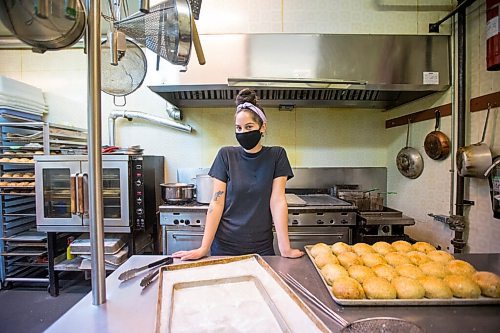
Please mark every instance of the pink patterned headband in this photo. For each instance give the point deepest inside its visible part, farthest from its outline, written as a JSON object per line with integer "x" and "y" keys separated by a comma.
{"x": 252, "y": 107}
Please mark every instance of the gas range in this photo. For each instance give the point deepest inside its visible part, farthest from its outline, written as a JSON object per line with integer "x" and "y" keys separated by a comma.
{"x": 312, "y": 210}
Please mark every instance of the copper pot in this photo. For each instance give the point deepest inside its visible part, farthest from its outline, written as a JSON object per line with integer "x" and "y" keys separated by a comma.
{"x": 437, "y": 144}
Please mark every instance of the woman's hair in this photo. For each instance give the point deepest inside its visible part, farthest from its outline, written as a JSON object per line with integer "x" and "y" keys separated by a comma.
{"x": 249, "y": 96}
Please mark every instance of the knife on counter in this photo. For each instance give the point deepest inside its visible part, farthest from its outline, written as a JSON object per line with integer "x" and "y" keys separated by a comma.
{"x": 131, "y": 273}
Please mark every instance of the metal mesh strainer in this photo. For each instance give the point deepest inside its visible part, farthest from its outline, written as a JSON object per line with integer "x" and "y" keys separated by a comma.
{"x": 165, "y": 30}
{"x": 128, "y": 75}
{"x": 381, "y": 325}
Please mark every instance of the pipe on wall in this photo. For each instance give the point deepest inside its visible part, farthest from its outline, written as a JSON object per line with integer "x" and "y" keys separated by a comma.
{"x": 459, "y": 240}
{"x": 141, "y": 115}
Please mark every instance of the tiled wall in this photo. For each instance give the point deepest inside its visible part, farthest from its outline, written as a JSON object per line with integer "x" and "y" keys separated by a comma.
{"x": 312, "y": 137}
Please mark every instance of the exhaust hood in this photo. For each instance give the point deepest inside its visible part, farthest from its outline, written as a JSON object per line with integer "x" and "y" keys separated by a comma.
{"x": 313, "y": 70}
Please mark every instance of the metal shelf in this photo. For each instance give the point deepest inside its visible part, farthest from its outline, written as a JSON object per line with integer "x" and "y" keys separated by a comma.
{"x": 26, "y": 255}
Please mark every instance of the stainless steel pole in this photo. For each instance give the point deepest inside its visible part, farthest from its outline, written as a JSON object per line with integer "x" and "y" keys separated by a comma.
{"x": 94, "y": 144}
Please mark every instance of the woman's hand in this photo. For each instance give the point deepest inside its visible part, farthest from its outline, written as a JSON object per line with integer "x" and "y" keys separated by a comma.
{"x": 292, "y": 253}
{"x": 191, "y": 255}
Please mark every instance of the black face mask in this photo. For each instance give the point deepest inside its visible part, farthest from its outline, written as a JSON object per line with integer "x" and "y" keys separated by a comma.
{"x": 249, "y": 140}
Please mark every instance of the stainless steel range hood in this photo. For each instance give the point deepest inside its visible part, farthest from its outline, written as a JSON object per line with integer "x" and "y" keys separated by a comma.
{"x": 313, "y": 70}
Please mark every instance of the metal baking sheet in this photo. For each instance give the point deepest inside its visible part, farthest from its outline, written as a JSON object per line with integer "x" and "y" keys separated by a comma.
{"x": 401, "y": 302}
{"x": 296, "y": 314}
{"x": 112, "y": 244}
{"x": 255, "y": 299}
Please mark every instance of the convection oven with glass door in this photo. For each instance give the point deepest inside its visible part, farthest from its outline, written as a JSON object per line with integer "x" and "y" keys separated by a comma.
{"x": 62, "y": 192}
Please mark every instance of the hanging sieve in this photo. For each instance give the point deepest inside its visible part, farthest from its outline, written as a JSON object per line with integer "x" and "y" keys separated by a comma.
{"x": 127, "y": 76}
{"x": 165, "y": 30}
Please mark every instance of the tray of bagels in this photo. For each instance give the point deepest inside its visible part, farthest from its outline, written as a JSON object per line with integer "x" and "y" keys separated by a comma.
{"x": 400, "y": 274}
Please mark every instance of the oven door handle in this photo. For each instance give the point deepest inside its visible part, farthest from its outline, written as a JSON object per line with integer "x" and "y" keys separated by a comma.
{"x": 79, "y": 182}
{"x": 312, "y": 234}
{"x": 72, "y": 192}
{"x": 187, "y": 234}
{"x": 83, "y": 192}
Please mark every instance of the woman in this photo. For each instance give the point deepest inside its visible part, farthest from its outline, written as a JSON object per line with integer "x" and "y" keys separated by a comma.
{"x": 249, "y": 192}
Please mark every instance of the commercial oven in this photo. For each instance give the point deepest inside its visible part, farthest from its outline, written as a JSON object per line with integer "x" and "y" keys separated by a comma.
{"x": 130, "y": 190}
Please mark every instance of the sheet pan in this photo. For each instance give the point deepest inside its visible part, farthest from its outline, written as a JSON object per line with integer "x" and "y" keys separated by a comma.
{"x": 297, "y": 316}
{"x": 401, "y": 302}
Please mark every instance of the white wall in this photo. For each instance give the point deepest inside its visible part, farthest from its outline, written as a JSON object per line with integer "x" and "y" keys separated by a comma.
{"x": 430, "y": 193}
{"x": 312, "y": 137}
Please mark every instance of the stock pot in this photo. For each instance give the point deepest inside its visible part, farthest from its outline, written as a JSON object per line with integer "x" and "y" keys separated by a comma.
{"x": 204, "y": 188}
{"x": 177, "y": 192}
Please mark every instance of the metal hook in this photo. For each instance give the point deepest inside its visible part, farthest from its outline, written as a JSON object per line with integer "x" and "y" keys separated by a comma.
{"x": 486, "y": 122}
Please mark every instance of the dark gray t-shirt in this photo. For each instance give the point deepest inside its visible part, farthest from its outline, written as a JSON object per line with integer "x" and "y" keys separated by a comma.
{"x": 246, "y": 220}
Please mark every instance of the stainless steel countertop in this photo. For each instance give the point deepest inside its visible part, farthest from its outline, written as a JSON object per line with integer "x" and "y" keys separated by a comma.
{"x": 128, "y": 309}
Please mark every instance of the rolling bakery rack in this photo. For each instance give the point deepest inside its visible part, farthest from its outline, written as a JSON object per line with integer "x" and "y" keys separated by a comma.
{"x": 27, "y": 255}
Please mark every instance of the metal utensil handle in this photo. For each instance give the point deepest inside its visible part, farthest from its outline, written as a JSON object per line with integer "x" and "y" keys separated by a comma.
{"x": 72, "y": 192}
{"x": 146, "y": 281}
{"x": 486, "y": 122}
{"x": 165, "y": 261}
{"x": 151, "y": 265}
{"x": 408, "y": 132}
{"x": 438, "y": 120}
{"x": 303, "y": 290}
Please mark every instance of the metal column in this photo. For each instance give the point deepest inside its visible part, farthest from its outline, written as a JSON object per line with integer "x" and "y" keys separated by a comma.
{"x": 95, "y": 158}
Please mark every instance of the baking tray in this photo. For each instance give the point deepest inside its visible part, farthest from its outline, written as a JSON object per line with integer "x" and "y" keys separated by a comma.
{"x": 296, "y": 314}
{"x": 112, "y": 244}
{"x": 225, "y": 287}
{"x": 401, "y": 302}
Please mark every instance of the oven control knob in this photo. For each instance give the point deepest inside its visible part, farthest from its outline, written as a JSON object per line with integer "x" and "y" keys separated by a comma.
{"x": 320, "y": 222}
{"x": 176, "y": 221}
{"x": 138, "y": 182}
{"x": 344, "y": 221}
{"x": 139, "y": 201}
{"x": 139, "y": 211}
{"x": 187, "y": 222}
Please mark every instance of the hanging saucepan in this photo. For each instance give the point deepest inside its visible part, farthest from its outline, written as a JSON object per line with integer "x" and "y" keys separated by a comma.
{"x": 436, "y": 143}
{"x": 475, "y": 159}
{"x": 409, "y": 160}
{"x": 44, "y": 24}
